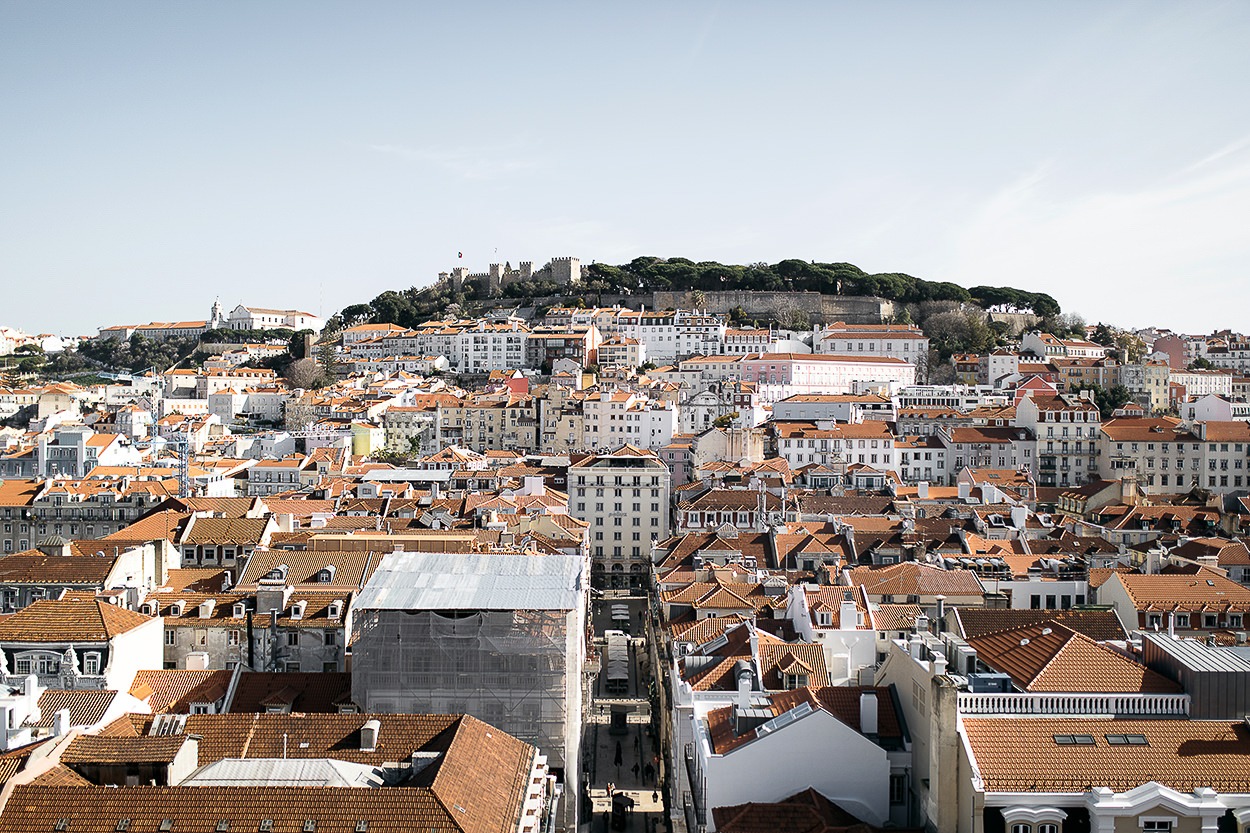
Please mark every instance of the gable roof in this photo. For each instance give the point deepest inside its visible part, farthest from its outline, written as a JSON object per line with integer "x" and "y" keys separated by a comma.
{"x": 69, "y": 620}
{"x": 1049, "y": 657}
{"x": 173, "y": 691}
{"x": 1099, "y": 625}
{"x": 804, "y": 812}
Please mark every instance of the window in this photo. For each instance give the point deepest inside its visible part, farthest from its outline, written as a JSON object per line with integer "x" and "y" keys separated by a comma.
{"x": 292, "y": 638}
{"x": 1021, "y": 828}
{"x": 898, "y": 789}
{"x": 91, "y": 664}
{"x": 1156, "y": 825}
{"x": 169, "y": 637}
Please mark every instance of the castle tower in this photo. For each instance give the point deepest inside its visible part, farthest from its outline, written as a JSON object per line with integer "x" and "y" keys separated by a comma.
{"x": 215, "y": 317}
{"x": 566, "y": 271}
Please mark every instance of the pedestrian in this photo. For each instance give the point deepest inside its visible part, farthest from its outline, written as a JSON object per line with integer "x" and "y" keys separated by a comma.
{"x": 635, "y": 768}
{"x": 655, "y": 796}
{"x": 649, "y": 771}
{"x": 611, "y": 789}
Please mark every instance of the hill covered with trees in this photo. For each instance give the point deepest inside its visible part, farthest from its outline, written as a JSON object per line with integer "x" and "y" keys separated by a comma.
{"x": 643, "y": 275}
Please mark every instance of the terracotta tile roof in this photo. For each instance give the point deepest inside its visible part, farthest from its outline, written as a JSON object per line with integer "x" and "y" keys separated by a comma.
{"x": 1098, "y": 575}
{"x": 913, "y": 579}
{"x": 1228, "y": 553}
{"x": 1021, "y": 755}
{"x": 173, "y": 691}
{"x": 99, "y": 809}
{"x": 97, "y": 749}
{"x": 805, "y": 658}
{"x": 61, "y": 776}
{"x": 167, "y": 525}
{"x": 807, "y": 811}
{"x": 897, "y": 617}
{"x": 227, "y": 531}
{"x": 1099, "y": 625}
{"x": 87, "y": 707}
{"x": 476, "y": 786}
{"x": 700, "y": 631}
{"x": 351, "y": 569}
{"x": 18, "y": 492}
{"x": 1205, "y": 590}
{"x": 300, "y": 691}
{"x": 34, "y": 567}
{"x": 1049, "y": 657}
{"x": 68, "y": 620}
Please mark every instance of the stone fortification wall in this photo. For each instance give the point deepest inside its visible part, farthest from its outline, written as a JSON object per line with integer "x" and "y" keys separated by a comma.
{"x": 784, "y": 307}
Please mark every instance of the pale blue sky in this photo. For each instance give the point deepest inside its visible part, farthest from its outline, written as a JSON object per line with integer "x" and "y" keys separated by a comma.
{"x": 156, "y": 155}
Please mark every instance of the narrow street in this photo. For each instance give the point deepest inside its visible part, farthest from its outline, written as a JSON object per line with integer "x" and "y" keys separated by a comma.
{"x": 623, "y": 748}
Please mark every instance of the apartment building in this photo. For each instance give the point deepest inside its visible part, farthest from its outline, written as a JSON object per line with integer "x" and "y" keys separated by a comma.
{"x": 624, "y": 496}
{"x": 1067, "y": 429}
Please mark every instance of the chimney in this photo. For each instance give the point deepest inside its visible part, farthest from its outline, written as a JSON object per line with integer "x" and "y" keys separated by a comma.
{"x": 1172, "y": 625}
{"x": 31, "y": 690}
{"x": 965, "y": 491}
{"x": 868, "y": 711}
{"x": 197, "y": 661}
{"x": 848, "y": 615}
{"x": 744, "y": 676}
{"x": 60, "y": 723}
{"x": 369, "y": 736}
{"x": 941, "y": 609}
{"x": 922, "y": 490}
{"x": 916, "y": 646}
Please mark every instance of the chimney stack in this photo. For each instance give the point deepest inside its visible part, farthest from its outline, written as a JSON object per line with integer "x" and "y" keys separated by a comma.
{"x": 868, "y": 711}
{"x": 60, "y": 723}
{"x": 848, "y": 616}
{"x": 369, "y": 735}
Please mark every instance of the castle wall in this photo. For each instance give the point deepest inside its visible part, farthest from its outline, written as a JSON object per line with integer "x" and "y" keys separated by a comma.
{"x": 819, "y": 309}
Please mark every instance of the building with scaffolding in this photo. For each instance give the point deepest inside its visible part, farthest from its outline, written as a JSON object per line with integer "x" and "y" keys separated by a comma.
{"x": 498, "y": 636}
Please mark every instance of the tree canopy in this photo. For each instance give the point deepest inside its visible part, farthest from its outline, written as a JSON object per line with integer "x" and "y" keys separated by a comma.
{"x": 410, "y": 307}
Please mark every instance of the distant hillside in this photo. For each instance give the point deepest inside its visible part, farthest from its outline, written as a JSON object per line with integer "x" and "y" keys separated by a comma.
{"x": 645, "y": 275}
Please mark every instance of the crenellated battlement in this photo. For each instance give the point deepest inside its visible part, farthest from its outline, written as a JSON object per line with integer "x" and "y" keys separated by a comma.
{"x": 565, "y": 271}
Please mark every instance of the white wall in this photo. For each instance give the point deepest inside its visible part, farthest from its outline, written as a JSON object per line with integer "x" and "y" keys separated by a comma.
{"x": 817, "y": 750}
{"x": 140, "y": 648}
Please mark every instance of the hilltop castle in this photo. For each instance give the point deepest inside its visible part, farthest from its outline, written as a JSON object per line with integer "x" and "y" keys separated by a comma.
{"x": 564, "y": 271}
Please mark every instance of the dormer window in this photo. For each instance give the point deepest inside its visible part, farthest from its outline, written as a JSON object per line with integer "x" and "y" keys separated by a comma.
{"x": 297, "y": 610}
{"x": 793, "y": 681}
{"x": 335, "y": 609}
{"x": 240, "y": 610}
{"x": 325, "y": 575}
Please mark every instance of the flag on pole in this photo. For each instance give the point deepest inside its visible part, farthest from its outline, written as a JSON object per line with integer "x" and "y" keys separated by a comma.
{"x": 460, "y": 255}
